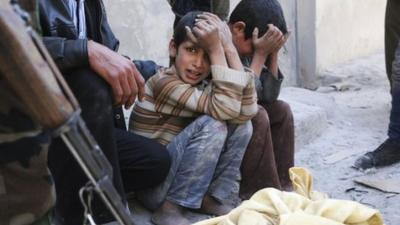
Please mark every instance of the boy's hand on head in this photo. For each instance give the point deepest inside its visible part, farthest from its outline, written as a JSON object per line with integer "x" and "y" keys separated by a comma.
{"x": 190, "y": 35}
{"x": 270, "y": 42}
{"x": 207, "y": 35}
{"x": 228, "y": 49}
{"x": 223, "y": 29}
{"x": 119, "y": 72}
{"x": 282, "y": 42}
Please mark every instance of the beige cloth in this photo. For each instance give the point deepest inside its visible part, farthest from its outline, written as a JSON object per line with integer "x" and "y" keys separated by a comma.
{"x": 270, "y": 206}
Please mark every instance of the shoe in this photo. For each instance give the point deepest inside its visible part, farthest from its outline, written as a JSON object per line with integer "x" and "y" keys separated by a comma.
{"x": 386, "y": 154}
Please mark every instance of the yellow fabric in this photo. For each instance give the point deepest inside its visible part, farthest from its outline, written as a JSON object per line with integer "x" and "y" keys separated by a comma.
{"x": 270, "y": 206}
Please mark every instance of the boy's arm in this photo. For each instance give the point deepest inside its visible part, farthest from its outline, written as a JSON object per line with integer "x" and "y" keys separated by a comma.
{"x": 270, "y": 78}
{"x": 270, "y": 86}
{"x": 221, "y": 98}
{"x": 225, "y": 34}
{"x": 264, "y": 46}
{"x": 231, "y": 53}
{"x": 249, "y": 106}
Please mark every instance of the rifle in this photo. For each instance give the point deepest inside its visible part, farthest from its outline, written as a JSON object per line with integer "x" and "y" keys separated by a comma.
{"x": 28, "y": 69}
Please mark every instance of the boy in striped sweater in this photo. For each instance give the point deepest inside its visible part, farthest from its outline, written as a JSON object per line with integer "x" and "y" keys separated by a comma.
{"x": 200, "y": 108}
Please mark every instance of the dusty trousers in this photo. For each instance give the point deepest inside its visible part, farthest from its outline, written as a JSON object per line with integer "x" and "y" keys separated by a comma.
{"x": 270, "y": 152}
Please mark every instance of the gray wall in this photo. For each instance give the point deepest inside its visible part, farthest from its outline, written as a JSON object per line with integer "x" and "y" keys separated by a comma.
{"x": 144, "y": 28}
{"x": 331, "y": 32}
{"x": 324, "y": 33}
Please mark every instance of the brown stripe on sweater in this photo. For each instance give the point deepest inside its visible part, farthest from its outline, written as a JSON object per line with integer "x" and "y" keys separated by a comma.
{"x": 228, "y": 85}
{"x": 139, "y": 110}
{"x": 182, "y": 102}
{"x": 235, "y": 96}
{"x": 203, "y": 102}
{"x": 149, "y": 98}
{"x": 166, "y": 85}
{"x": 225, "y": 110}
{"x": 163, "y": 128}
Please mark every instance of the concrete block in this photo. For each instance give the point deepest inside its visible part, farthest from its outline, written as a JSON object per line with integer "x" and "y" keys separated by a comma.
{"x": 311, "y": 111}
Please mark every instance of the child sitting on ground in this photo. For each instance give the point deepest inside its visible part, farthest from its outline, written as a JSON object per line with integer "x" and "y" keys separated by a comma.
{"x": 259, "y": 32}
{"x": 201, "y": 109}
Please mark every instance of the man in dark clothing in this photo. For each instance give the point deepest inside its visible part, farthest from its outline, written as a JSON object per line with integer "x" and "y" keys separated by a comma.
{"x": 79, "y": 39}
{"x": 389, "y": 151}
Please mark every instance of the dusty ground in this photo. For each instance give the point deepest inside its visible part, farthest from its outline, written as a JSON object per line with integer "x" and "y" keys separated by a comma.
{"x": 358, "y": 124}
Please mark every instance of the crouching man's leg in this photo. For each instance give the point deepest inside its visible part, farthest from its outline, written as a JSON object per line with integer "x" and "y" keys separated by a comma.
{"x": 144, "y": 162}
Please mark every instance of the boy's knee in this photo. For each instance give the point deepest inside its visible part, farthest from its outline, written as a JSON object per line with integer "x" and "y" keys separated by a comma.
{"x": 261, "y": 118}
{"x": 284, "y": 109}
{"x": 245, "y": 129}
{"x": 212, "y": 125}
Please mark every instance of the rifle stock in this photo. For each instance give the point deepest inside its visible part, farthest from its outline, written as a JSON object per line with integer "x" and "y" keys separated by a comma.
{"x": 28, "y": 74}
{"x": 26, "y": 67}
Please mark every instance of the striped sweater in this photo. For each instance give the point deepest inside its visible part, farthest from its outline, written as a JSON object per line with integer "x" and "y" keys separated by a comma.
{"x": 170, "y": 104}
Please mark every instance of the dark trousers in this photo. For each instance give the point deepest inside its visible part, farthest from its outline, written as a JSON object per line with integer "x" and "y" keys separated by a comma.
{"x": 140, "y": 161}
{"x": 392, "y": 38}
{"x": 270, "y": 152}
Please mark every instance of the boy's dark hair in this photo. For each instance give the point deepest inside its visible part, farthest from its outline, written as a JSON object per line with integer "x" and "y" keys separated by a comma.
{"x": 259, "y": 13}
{"x": 180, "y": 31}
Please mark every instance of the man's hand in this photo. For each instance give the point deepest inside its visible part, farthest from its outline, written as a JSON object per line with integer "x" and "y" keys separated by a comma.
{"x": 270, "y": 42}
{"x": 119, "y": 72}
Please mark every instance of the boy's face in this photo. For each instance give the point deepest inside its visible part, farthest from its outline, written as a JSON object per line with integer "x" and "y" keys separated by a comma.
{"x": 244, "y": 46}
{"x": 191, "y": 62}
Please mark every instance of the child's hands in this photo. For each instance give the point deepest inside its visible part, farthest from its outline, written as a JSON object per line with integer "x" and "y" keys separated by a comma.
{"x": 282, "y": 42}
{"x": 272, "y": 62}
{"x": 270, "y": 42}
{"x": 223, "y": 29}
{"x": 205, "y": 34}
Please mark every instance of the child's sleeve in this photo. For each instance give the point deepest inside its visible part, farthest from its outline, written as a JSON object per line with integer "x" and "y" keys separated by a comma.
{"x": 271, "y": 86}
{"x": 221, "y": 98}
{"x": 249, "y": 106}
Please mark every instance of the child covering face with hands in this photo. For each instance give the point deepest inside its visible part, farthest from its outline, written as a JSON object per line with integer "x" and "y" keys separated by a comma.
{"x": 200, "y": 108}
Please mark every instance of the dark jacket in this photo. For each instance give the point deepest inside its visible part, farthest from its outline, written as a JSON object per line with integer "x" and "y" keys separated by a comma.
{"x": 61, "y": 39}
{"x": 61, "y": 36}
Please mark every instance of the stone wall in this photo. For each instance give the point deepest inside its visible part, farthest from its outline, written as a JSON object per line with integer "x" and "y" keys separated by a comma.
{"x": 331, "y": 32}
{"x": 144, "y": 28}
{"x": 324, "y": 33}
